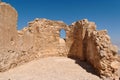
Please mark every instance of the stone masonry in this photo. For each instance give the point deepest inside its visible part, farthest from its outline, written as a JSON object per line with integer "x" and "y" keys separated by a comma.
{"x": 41, "y": 38}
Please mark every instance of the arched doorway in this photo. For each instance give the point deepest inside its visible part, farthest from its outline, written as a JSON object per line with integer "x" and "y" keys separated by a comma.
{"x": 63, "y": 34}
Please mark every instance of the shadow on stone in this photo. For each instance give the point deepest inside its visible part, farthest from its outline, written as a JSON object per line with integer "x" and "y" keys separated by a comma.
{"x": 85, "y": 65}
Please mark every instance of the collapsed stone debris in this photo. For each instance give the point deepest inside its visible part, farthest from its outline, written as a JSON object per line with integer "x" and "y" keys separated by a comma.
{"x": 41, "y": 38}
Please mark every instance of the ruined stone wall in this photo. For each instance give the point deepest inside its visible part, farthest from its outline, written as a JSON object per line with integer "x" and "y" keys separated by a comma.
{"x": 98, "y": 50}
{"x": 8, "y": 35}
{"x": 104, "y": 54}
{"x": 8, "y": 23}
{"x": 75, "y": 50}
{"x": 41, "y": 38}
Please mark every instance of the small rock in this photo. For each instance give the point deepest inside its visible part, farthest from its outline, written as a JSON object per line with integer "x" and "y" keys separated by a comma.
{"x": 115, "y": 65}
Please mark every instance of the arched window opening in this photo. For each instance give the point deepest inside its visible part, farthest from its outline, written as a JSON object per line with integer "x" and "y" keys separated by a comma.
{"x": 63, "y": 34}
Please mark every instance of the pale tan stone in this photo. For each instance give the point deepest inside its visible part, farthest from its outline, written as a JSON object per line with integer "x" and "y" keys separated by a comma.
{"x": 115, "y": 64}
{"x": 41, "y": 38}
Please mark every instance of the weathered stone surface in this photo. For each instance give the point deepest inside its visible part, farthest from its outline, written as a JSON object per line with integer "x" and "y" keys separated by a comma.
{"x": 8, "y": 23}
{"x": 8, "y": 36}
{"x": 44, "y": 37}
{"x": 41, "y": 38}
{"x": 98, "y": 50}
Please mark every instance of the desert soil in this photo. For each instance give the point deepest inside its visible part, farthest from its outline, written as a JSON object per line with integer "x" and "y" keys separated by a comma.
{"x": 51, "y": 68}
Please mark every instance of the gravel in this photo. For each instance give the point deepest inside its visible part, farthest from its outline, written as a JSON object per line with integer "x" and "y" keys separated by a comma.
{"x": 51, "y": 68}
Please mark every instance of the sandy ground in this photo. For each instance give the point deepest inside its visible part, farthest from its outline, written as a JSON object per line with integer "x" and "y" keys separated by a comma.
{"x": 51, "y": 68}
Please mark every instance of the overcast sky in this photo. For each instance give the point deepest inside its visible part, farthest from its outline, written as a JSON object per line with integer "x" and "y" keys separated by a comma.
{"x": 105, "y": 13}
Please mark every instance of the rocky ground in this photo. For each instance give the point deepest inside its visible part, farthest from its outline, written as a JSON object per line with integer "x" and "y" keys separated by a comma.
{"x": 51, "y": 68}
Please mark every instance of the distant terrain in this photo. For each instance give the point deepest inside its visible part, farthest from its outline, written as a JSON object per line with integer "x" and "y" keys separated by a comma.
{"x": 117, "y": 43}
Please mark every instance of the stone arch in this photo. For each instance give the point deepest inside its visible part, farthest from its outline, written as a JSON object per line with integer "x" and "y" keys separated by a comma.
{"x": 62, "y": 33}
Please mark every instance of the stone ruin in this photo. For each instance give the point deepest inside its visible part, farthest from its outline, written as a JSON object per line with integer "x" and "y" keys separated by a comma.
{"x": 41, "y": 38}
